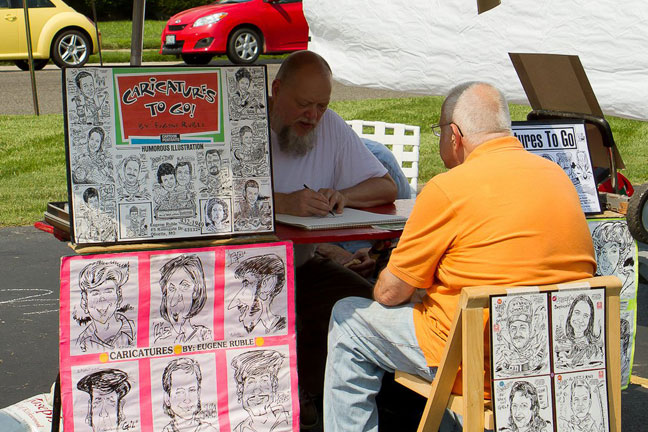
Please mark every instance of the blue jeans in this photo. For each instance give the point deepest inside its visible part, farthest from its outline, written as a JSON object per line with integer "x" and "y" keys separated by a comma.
{"x": 365, "y": 340}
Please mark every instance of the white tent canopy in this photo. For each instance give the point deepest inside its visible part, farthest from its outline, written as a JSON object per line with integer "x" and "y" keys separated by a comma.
{"x": 428, "y": 46}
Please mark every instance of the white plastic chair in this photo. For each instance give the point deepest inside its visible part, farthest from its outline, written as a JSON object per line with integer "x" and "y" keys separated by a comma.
{"x": 403, "y": 140}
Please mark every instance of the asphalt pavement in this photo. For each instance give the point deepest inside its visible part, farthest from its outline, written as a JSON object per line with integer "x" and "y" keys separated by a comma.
{"x": 30, "y": 259}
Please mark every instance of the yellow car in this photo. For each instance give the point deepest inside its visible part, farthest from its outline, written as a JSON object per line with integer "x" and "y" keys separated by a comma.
{"x": 57, "y": 32}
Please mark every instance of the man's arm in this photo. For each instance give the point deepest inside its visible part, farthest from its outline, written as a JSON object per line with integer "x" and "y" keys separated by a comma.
{"x": 391, "y": 290}
{"x": 371, "y": 192}
{"x": 306, "y": 202}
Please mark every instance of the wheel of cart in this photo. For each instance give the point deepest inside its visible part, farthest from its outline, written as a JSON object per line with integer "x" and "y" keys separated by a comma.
{"x": 606, "y": 160}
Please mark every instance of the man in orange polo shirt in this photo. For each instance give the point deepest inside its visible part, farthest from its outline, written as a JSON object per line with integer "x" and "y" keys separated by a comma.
{"x": 499, "y": 216}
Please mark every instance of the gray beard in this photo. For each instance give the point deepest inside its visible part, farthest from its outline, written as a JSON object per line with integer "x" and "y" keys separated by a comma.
{"x": 293, "y": 144}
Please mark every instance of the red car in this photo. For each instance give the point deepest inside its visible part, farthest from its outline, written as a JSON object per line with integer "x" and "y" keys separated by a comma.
{"x": 242, "y": 29}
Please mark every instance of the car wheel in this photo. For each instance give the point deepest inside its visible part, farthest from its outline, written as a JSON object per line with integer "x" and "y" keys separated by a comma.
{"x": 71, "y": 48}
{"x": 244, "y": 46}
{"x": 38, "y": 64}
{"x": 196, "y": 59}
{"x": 637, "y": 215}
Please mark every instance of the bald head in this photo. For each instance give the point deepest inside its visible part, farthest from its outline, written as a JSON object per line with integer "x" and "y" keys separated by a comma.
{"x": 301, "y": 61}
{"x": 300, "y": 96}
{"x": 477, "y": 108}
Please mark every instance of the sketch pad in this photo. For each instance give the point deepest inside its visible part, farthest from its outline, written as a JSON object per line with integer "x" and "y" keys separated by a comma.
{"x": 348, "y": 219}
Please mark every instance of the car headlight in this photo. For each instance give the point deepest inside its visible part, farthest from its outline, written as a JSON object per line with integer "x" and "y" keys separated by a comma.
{"x": 209, "y": 19}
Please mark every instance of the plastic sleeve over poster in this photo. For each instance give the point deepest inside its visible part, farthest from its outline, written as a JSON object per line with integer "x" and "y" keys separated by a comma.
{"x": 166, "y": 153}
{"x": 179, "y": 340}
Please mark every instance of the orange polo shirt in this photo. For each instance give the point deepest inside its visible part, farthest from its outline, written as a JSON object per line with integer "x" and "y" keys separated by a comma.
{"x": 503, "y": 217}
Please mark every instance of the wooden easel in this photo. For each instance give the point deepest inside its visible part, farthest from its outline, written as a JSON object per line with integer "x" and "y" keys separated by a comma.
{"x": 465, "y": 346}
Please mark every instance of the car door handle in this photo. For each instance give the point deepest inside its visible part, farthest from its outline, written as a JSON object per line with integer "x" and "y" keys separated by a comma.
{"x": 10, "y": 17}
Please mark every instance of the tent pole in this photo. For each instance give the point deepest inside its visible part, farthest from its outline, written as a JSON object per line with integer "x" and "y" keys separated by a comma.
{"x": 31, "y": 59}
{"x": 137, "y": 37}
{"x": 96, "y": 26}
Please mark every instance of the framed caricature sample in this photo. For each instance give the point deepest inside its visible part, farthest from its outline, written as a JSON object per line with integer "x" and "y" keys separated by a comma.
{"x": 159, "y": 153}
{"x": 617, "y": 254}
{"x": 565, "y": 144}
{"x": 196, "y": 339}
{"x": 548, "y": 360}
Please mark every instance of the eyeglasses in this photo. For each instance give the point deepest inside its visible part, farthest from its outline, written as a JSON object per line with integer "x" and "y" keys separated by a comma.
{"x": 436, "y": 128}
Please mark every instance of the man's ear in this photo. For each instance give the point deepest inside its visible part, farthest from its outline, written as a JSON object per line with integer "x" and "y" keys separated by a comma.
{"x": 275, "y": 87}
{"x": 457, "y": 143}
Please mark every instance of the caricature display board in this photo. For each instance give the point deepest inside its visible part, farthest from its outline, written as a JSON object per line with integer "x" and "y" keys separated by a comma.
{"x": 189, "y": 339}
{"x": 548, "y": 360}
{"x": 566, "y": 145}
{"x": 164, "y": 153}
{"x": 617, "y": 254}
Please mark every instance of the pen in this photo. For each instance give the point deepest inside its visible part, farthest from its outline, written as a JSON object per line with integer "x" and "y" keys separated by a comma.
{"x": 331, "y": 212}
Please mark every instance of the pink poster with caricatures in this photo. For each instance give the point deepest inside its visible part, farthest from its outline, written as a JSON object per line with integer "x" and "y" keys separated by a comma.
{"x": 180, "y": 340}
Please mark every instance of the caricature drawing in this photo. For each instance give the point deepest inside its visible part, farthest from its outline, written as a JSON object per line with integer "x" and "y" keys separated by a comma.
{"x": 614, "y": 248}
{"x": 182, "y": 381}
{"x": 256, "y": 375}
{"x": 215, "y": 180}
{"x": 580, "y": 343}
{"x": 101, "y": 285}
{"x": 250, "y": 155}
{"x": 163, "y": 192}
{"x": 582, "y": 166}
{"x": 182, "y": 281}
{"x": 253, "y": 210}
{"x": 242, "y": 102}
{"x": 524, "y": 351}
{"x": 131, "y": 186}
{"x": 262, "y": 279}
{"x": 581, "y": 404}
{"x": 107, "y": 389}
{"x": 216, "y": 215}
{"x": 524, "y": 414}
{"x": 183, "y": 192}
{"x": 93, "y": 224}
{"x": 94, "y": 167}
{"x": 626, "y": 338}
{"x": 137, "y": 226}
{"x": 88, "y": 102}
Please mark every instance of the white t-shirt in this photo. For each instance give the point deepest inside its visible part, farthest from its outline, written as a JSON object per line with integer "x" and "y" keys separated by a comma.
{"x": 339, "y": 160}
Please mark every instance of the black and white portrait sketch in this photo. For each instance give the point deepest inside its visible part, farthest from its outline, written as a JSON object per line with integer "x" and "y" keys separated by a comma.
{"x": 628, "y": 320}
{"x": 102, "y": 310}
{"x": 132, "y": 180}
{"x": 247, "y": 94}
{"x": 89, "y": 98}
{"x": 93, "y": 166}
{"x": 135, "y": 220}
{"x": 215, "y": 174}
{"x": 106, "y": 390}
{"x": 252, "y": 209}
{"x": 522, "y": 405}
{"x": 616, "y": 253}
{"x": 261, "y": 391}
{"x": 173, "y": 194}
{"x": 94, "y": 223}
{"x": 520, "y": 335}
{"x": 184, "y": 294}
{"x": 578, "y": 330}
{"x": 258, "y": 282}
{"x": 250, "y": 153}
{"x": 216, "y": 215}
{"x": 182, "y": 384}
{"x": 581, "y": 402}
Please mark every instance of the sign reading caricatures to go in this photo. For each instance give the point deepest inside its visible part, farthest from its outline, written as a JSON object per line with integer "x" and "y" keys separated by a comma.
{"x": 167, "y": 153}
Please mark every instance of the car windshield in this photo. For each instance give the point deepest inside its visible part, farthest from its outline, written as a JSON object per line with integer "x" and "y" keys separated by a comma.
{"x": 230, "y": 1}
